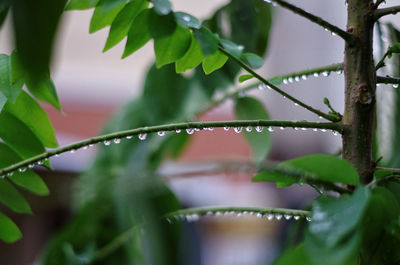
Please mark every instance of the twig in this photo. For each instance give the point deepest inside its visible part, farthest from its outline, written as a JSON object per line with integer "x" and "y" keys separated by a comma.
{"x": 317, "y": 20}
{"x": 386, "y": 11}
{"x": 387, "y": 80}
{"x": 164, "y": 128}
{"x": 393, "y": 170}
{"x": 378, "y": 2}
{"x": 332, "y": 118}
{"x": 381, "y": 63}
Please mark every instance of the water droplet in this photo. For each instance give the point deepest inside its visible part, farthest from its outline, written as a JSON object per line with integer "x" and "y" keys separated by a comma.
{"x": 57, "y": 155}
{"x": 239, "y": 214}
{"x": 326, "y": 29}
{"x": 189, "y": 130}
{"x": 270, "y": 216}
{"x": 9, "y": 174}
{"x": 323, "y": 130}
{"x": 308, "y": 219}
{"x": 315, "y": 129}
{"x": 227, "y": 128}
{"x": 195, "y": 217}
{"x": 218, "y": 214}
{"x": 31, "y": 165}
{"x": 395, "y": 85}
{"x": 326, "y": 73}
{"x": 269, "y": 88}
{"x": 209, "y": 213}
{"x": 169, "y": 220}
{"x": 304, "y": 129}
{"x": 274, "y": 4}
{"x": 278, "y": 216}
{"x": 85, "y": 147}
{"x": 285, "y": 81}
{"x": 333, "y": 33}
{"x": 259, "y": 129}
{"x": 296, "y": 128}
{"x": 261, "y": 87}
{"x": 259, "y": 215}
{"x": 178, "y": 130}
{"x": 270, "y": 129}
{"x": 320, "y": 117}
{"x": 316, "y": 74}
{"x": 40, "y": 162}
{"x": 117, "y": 140}
{"x": 73, "y": 151}
{"x": 161, "y": 133}
{"x": 282, "y": 128}
{"x": 142, "y": 136}
{"x": 287, "y": 216}
{"x": 296, "y": 104}
{"x": 22, "y": 169}
{"x": 297, "y": 79}
{"x": 249, "y": 129}
{"x": 290, "y": 79}
{"x": 335, "y": 133}
{"x": 238, "y": 129}
{"x": 296, "y": 217}
{"x": 339, "y": 72}
{"x": 106, "y": 143}
{"x": 197, "y": 129}
{"x": 129, "y": 137}
{"x": 304, "y": 77}
{"x": 211, "y": 129}
{"x": 186, "y": 18}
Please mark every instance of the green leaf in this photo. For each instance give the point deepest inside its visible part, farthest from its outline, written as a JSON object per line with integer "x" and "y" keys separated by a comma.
{"x": 324, "y": 167}
{"x": 232, "y": 48}
{"x": 27, "y": 110}
{"x": 192, "y": 58}
{"x": 281, "y": 180}
{"x": 28, "y": 179}
{"x": 81, "y": 4}
{"x": 207, "y": 40}
{"x": 122, "y": 22}
{"x": 247, "y": 108}
{"x": 104, "y": 14}
{"x": 162, "y": 7}
{"x": 394, "y": 49}
{"x": 9, "y": 231}
{"x": 35, "y": 24}
{"x": 17, "y": 70}
{"x": 4, "y": 7}
{"x": 161, "y": 26}
{"x": 243, "y": 78}
{"x": 171, "y": 48}
{"x": 187, "y": 21}
{"x": 276, "y": 80}
{"x": 214, "y": 62}
{"x": 21, "y": 139}
{"x": 12, "y": 198}
{"x": 334, "y": 231}
{"x": 138, "y": 34}
{"x": 253, "y": 60}
{"x": 292, "y": 256}
{"x": 45, "y": 90}
{"x": 7, "y": 88}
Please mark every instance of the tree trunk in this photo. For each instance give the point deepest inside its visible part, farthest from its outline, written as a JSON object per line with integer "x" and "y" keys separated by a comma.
{"x": 360, "y": 86}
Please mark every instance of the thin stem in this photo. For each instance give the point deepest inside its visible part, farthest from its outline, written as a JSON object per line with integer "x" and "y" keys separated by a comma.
{"x": 163, "y": 128}
{"x": 381, "y": 63}
{"x": 393, "y": 170}
{"x": 387, "y": 80}
{"x": 115, "y": 244}
{"x": 299, "y": 74}
{"x": 386, "y": 11}
{"x": 332, "y": 118}
{"x": 317, "y": 20}
{"x": 201, "y": 211}
{"x": 378, "y": 2}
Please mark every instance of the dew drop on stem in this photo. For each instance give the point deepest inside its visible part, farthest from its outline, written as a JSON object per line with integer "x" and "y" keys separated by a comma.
{"x": 395, "y": 85}
{"x": 249, "y": 129}
{"x": 296, "y": 217}
{"x": 178, "y": 130}
{"x": 285, "y": 81}
{"x": 270, "y": 217}
{"x": 142, "y": 136}
{"x": 117, "y": 140}
{"x": 22, "y": 169}
{"x": 287, "y": 216}
{"x": 238, "y": 129}
{"x": 278, "y": 216}
{"x": 227, "y": 128}
{"x": 304, "y": 77}
{"x": 10, "y": 174}
{"x": 129, "y": 137}
{"x": 296, "y": 78}
{"x": 189, "y": 131}
{"x": 316, "y": 74}
{"x": 106, "y": 142}
{"x": 270, "y": 129}
{"x": 161, "y": 133}
{"x": 259, "y": 129}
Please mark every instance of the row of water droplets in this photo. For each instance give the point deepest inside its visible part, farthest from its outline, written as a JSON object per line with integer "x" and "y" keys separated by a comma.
{"x": 393, "y": 85}
{"x": 193, "y": 217}
{"x": 190, "y": 131}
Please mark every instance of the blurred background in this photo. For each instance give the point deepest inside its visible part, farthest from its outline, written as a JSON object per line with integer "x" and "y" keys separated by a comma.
{"x": 93, "y": 85}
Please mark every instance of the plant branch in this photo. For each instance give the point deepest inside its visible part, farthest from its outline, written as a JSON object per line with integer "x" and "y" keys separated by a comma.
{"x": 164, "y": 128}
{"x": 386, "y": 11}
{"x": 387, "y": 80}
{"x": 381, "y": 63}
{"x": 332, "y": 118}
{"x": 393, "y": 170}
{"x": 217, "y": 211}
{"x": 317, "y": 20}
{"x": 378, "y": 2}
